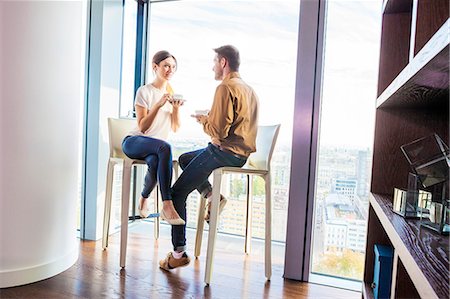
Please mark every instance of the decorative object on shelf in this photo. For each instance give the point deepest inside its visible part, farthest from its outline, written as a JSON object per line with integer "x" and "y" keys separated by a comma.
{"x": 437, "y": 215}
{"x": 411, "y": 203}
{"x": 429, "y": 158}
{"x": 382, "y": 272}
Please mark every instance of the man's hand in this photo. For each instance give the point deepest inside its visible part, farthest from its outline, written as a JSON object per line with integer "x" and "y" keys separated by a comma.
{"x": 200, "y": 118}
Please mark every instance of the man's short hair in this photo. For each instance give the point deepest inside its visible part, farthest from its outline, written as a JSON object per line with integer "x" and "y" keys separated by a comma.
{"x": 231, "y": 54}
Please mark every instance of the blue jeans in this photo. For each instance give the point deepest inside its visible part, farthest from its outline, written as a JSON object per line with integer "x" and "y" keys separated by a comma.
{"x": 158, "y": 156}
{"x": 197, "y": 167}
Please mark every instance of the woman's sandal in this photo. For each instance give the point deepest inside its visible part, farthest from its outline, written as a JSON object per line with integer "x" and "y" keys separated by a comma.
{"x": 222, "y": 203}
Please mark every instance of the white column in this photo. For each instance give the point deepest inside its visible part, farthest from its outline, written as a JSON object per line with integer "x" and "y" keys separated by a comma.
{"x": 42, "y": 68}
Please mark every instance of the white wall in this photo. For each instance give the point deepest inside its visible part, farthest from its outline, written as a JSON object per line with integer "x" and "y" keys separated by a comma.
{"x": 42, "y": 72}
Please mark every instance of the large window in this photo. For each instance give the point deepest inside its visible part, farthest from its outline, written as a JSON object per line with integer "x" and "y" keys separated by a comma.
{"x": 129, "y": 33}
{"x": 127, "y": 90}
{"x": 345, "y": 139}
{"x": 265, "y": 32}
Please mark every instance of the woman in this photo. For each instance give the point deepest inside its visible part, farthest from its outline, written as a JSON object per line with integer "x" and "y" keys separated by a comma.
{"x": 156, "y": 113}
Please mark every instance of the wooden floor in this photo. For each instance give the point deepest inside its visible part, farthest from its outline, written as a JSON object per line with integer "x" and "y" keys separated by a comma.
{"x": 235, "y": 275}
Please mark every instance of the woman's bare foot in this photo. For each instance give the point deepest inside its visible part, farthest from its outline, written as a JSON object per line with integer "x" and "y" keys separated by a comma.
{"x": 144, "y": 211}
{"x": 169, "y": 210}
{"x": 169, "y": 213}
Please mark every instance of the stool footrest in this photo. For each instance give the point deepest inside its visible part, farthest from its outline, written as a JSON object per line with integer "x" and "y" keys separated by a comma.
{"x": 152, "y": 215}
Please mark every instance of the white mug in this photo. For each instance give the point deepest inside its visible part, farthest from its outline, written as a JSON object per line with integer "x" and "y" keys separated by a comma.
{"x": 202, "y": 112}
{"x": 177, "y": 97}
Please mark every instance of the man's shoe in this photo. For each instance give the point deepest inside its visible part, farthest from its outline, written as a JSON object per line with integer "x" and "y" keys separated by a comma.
{"x": 170, "y": 262}
{"x": 222, "y": 203}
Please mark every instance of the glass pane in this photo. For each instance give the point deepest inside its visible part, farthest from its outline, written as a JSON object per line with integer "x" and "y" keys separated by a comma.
{"x": 265, "y": 32}
{"x": 128, "y": 58}
{"x": 351, "y": 54}
{"x": 126, "y": 99}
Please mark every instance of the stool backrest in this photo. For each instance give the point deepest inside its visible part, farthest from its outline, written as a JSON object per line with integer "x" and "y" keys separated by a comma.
{"x": 118, "y": 129}
{"x": 266, "y": 139}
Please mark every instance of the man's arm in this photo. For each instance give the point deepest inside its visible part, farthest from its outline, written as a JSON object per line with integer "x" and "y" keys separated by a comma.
{"x": 219, "y": 120}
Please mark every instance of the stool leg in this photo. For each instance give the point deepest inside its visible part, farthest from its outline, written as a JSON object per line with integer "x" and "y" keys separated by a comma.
{"x": 108, "y": 199}
{"x": 268, "y": 223}
{"x": 200, "y": 226}
{"x": 248, "y": 219}
{"x": 156, "y": 219}
{"x": 213, "y": 221}
{"x": 126, "y": 177}
{"x": 175, "y": 169}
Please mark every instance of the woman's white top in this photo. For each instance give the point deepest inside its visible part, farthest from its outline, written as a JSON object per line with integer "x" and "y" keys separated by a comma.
{"x": 146, "y": 97}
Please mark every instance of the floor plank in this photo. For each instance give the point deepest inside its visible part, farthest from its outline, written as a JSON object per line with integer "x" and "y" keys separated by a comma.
{"x": 235, "y": 275}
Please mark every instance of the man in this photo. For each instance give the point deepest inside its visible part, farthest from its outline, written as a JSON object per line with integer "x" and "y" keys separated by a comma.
{"x": 232, "y": 125}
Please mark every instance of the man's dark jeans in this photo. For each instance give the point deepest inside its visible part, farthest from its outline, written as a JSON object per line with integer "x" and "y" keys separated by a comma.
{"x": 197, "y": 167}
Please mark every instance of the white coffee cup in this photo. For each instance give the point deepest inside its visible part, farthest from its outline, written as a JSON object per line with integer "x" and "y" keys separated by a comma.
{"x": 177, "y": 97}
{"x": 202, "y": 112}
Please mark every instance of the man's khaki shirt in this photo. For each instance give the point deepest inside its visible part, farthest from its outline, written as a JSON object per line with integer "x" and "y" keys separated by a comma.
{"x": 232, "y": 122}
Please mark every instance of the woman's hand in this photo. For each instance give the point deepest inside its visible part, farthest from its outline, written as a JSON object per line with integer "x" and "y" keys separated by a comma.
{"x": 165, "y": 98}
{"x": 177, "y": 103}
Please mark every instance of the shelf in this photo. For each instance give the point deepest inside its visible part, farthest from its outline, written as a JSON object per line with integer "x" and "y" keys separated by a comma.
{"x": 394, "y": 47}
{"x": 431, "y": 14}
{"x": 425, "y": 80}
{"x": 423, "y": 253}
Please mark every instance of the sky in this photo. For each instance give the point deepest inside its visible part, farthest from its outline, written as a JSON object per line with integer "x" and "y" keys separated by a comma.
{"x": 266, "y": 33}
{"x": 352, "y": 42}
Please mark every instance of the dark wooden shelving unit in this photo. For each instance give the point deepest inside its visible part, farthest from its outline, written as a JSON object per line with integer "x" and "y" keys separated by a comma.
{"x": 421, "y": 252}
{"x": 396, "y": 31}
{"x": 413, "y": 102}
{"x": 431, "y": 15}
{"x": 424, "y": 79}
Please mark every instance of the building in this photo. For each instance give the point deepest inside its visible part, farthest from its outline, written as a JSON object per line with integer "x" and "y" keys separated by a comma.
{"x": 344, "y": 225}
